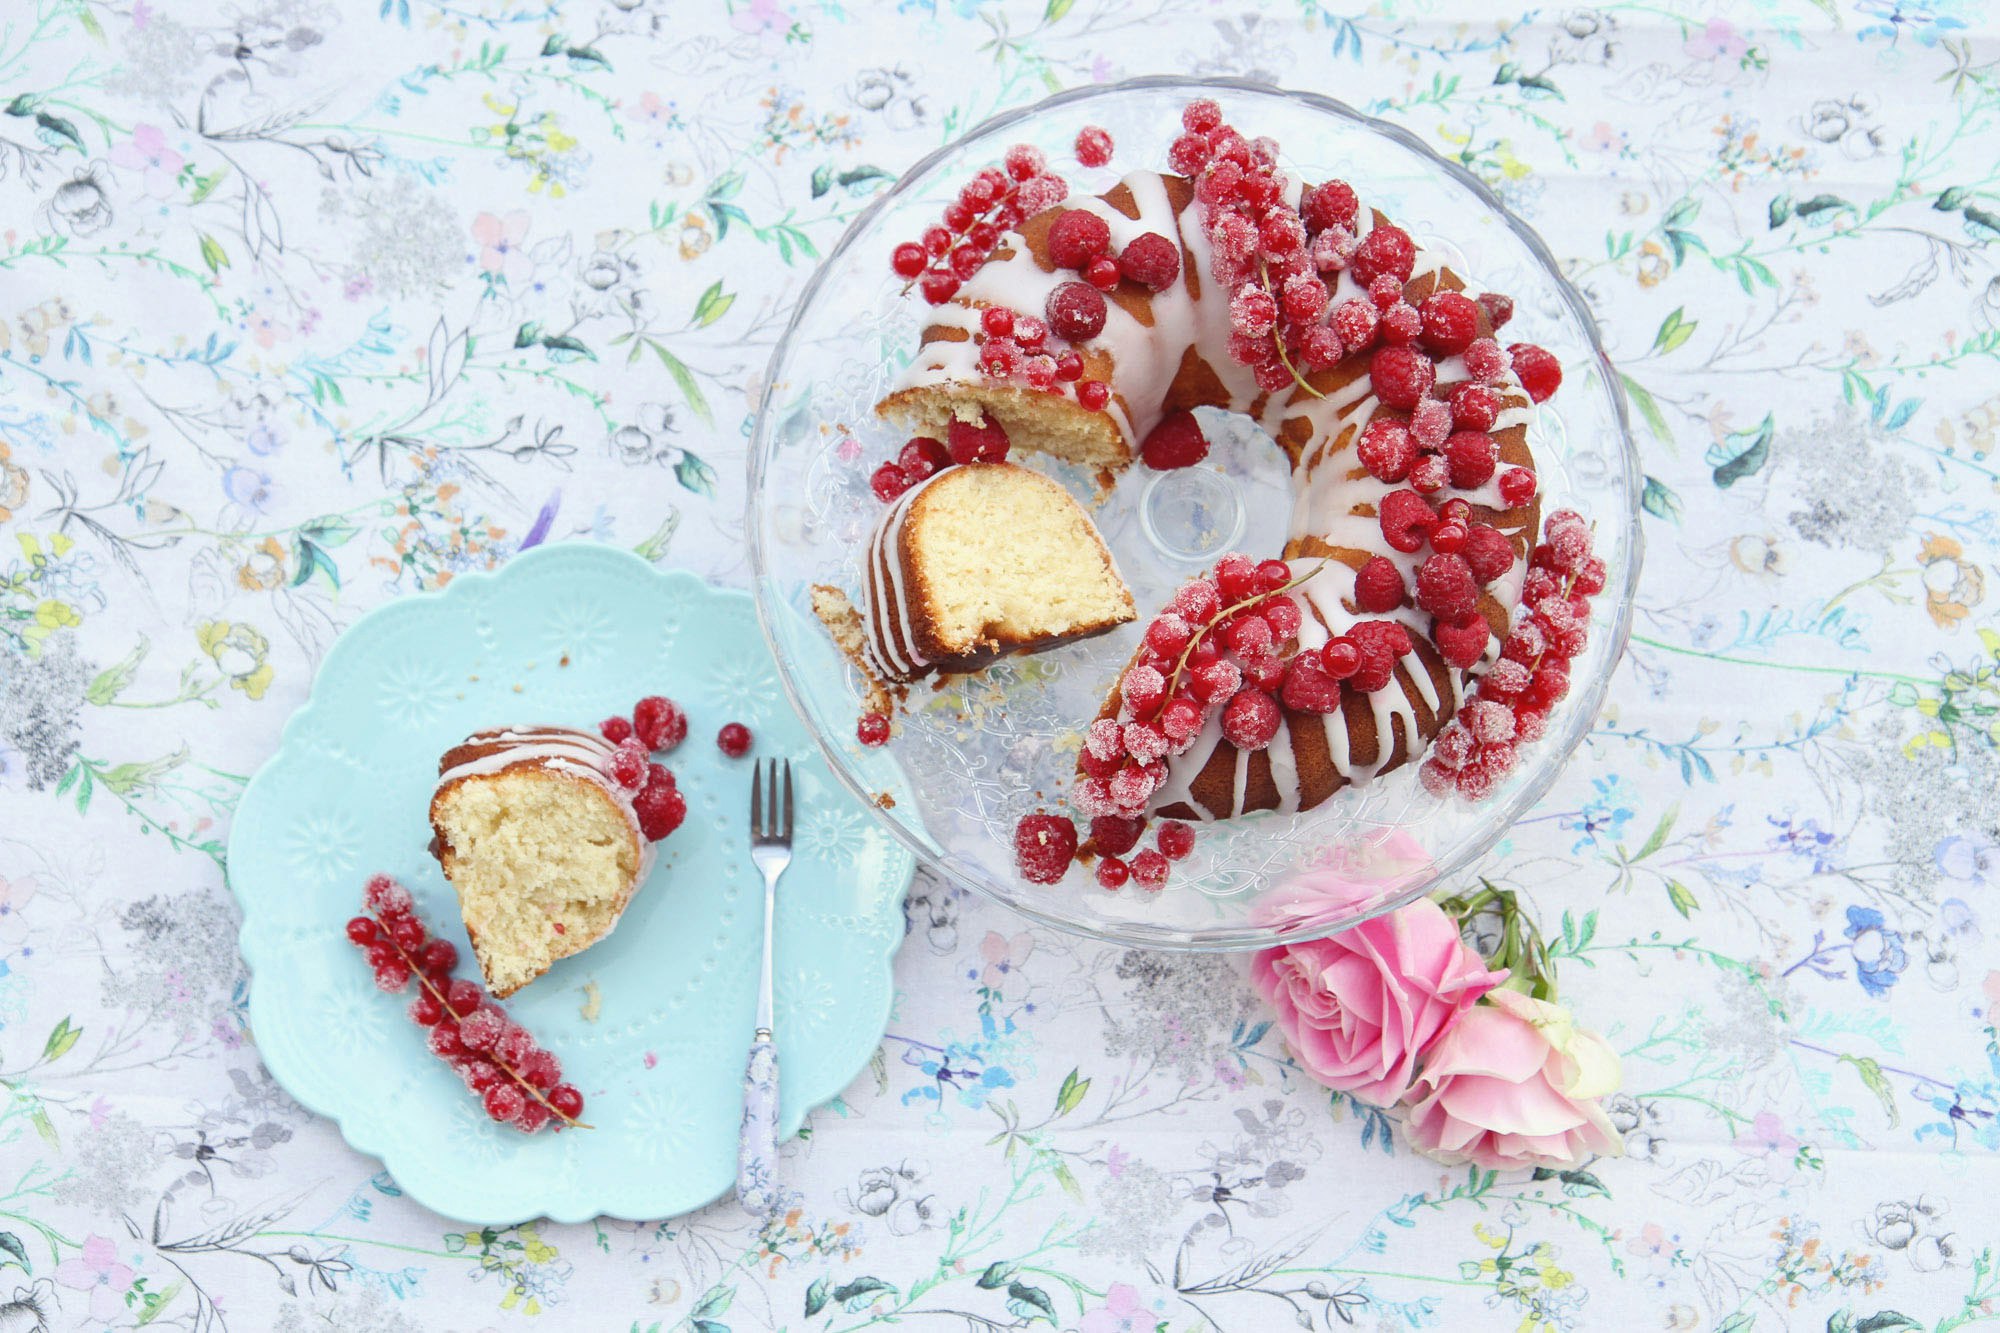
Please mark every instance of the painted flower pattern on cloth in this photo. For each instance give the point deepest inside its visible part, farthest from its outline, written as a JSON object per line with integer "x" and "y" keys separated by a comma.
{"x": 310, "y": 304}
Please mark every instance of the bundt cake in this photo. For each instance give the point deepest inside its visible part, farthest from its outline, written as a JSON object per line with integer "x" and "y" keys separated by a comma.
{"x": 1089, "y": 331}
{"x": 541, "y": 842}
{"x": 974, "y": 563}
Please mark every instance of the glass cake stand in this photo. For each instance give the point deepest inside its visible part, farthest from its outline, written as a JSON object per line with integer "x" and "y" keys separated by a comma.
{"x": 985, "y": 749}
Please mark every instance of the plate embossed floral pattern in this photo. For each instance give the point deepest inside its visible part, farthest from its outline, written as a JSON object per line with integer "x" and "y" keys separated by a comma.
{"x": 566, "y": 633}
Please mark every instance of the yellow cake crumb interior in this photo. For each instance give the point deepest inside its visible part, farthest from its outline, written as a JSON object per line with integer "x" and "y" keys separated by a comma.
{"x": 1039, "y": 422}
{"x": 1009, "y": 553}
{"x": 531, "y": 851}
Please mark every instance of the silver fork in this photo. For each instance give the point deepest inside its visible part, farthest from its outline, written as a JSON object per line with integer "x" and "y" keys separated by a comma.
{"x": 757, "y": 1140}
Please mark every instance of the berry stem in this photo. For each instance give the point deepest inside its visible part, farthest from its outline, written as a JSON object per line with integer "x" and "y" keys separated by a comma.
{"x": 1201, "y": 632}
{"x": 1000, "y": 200}
{"x": 424, "y": 980}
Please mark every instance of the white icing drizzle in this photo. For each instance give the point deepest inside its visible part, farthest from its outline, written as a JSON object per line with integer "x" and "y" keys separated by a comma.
{"x": 1329, "y": 484}
{"x": 580, "y": 754}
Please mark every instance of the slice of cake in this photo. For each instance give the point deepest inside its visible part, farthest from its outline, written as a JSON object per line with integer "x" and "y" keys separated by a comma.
{"x": 979, "y": 561}
{"x": 541, "y": 842}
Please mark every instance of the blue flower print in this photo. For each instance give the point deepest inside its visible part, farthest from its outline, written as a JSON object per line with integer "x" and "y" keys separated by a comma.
{"x": 1605, "y": 815}
{"x": 1879, "y": 956}
{"x": 1807, "y": 840}
{"x": 1926, "y": 20}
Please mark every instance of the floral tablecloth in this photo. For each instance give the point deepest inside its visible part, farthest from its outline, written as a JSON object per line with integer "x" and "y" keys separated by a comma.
{"x": 308, "y": 304}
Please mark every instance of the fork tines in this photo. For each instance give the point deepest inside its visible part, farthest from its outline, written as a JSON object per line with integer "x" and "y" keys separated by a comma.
{"x": 779, "y": 826}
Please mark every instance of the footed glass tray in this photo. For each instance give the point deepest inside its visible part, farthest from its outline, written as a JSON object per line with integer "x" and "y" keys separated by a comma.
{"x": 990, "y": 747}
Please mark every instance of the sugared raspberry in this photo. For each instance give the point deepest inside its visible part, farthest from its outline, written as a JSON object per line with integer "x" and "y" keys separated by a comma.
{"x": 1386, "y": 449}
{"x": 1400, "y": 324}
{"x": 1180, "y": 720}
{"x": 1112, "y": 873}
{"x": 1143, "y": 690}
{"x": 1517, "y": 486}
{"x": 615, "y": 729}
{"x": 386, "y": 898}
{"x": 1488, "y": 553}
{"x": 1429, "y": 474}
{"x": 1282, "y": 614}
{"x": 1145, "y": 741}
{"x": 1383, "y": 291}
{"x": 1093, "y": 146}
{"x": 1474, "y": 407}
{"x": 1382, "y": 643}
{"x": 1320, "y": 348}
{"x": 1537, "y": 369}
{"x": 659, "y": 722}
{"x": 1151, "y": 260}
{"x": 1354, "y": 320}
{"x": 1093, "y": 394}
{"x": 1308, "y": 688}
{"x": 1197, "y": 601}
{"x": 1149, "y": 868}
{"x": 1407, "y": 519}
{"x": 658, "y": 775}
{"x": 733, "y": 740}
{"x": 1445, "y": 587}
{"x": 1076, "y": 310}
{"x": 1331, "y": 204}
{"x": 922, "y": 456}
{"x": 1401, "y": 376}
{"x": 1176, "y": 442}
{"x": 1472, "y": 455}
{"x": 1430, "y": 424}
{"x": 1043, "y": 847}
{"x": 1450, "y": 322}
{"x": 1499, "y": 309}
{"x": 627, "y": 764}
{"x": 984, "y": 442}
{"x": 1175, "y": 839}
{"x": 1251, "y": 719}
{"x": 1379, "y": 586}
{"x": 1462, "y": 642}
{"x": 660, "y": 809}
{"x": 1188, "y": 155}
{"x": 1448, "y": 537}
{"x": 1131, "y": 789}
{"x": 1303, "y": 298}
{"x": 1386, "y": 251}
{"x": 1252, "y": 312}
{"x": 1201, "y": 116}
{"x": 1115, "y": 835}
{"x": 888, "y": 482}
{"x": 1590, "y": 576}
{"x": 1549, "y": 685}
{"x": 1101, "y": 273}
{"x": 909, "y": 259}
{"x": 1213, "y": 682}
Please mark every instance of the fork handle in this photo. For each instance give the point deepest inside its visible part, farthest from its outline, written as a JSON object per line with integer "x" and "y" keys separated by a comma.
{"x": 757, "y": 1140}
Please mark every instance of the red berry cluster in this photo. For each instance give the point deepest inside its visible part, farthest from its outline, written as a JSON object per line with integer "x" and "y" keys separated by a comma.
{"x": 993, "y": 201}
{"x": 517, "y": 1081}
{"x": 1045, "y": 844}
{"x": 1511, "y": 704}
{"x": 983, "y": 441}
{"x": 658, "y": 724}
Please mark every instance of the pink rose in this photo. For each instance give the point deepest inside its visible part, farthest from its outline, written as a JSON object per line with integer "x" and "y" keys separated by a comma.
{"x": 1514, "y": 1083}
{"x": 1362, "y": 1008}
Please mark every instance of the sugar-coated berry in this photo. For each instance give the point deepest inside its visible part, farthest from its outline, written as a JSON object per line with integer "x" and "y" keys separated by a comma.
{"x": 1144, "y": 690}
{"x": 1201, "y": 116}
{"x": 1302, "y": 298}
{"x": 1030, "y": 332}
{"x": 660, "y": 809}
{"x": 1093, "y": 394}
{"x": 1462, "y": 643}
{"x": 1379, "y": 587}
{"x": 1487, "y": 552}
{"x": 1272, "y": 575}
{"x": 965, "y": 261}
{"x": 1308, "y": 688}
{"x": 1484, "y": 360}
{"x": 1400, "y": 324}
{"x": 1076, "y": 237}
{"x": 1115, "y": 835}
{"x": 361, "y": 930}
{"x": 407, "y": 932}
{"x": 1450, "y": 322}
{"x": 733, "y": 740}
{"x": 462, "y": 997}
{"x": 1549, "y": 685}
{"x": 1386, "y": 449}
{"x": 1252, "y": 311}
{"x": 1180, "y": 720}
{"x": 1281, "y": 234}
{"x": 480, "y": 1029}
{"x": 1282, "y": 614}
{"x": 1041, "y": 192}
{"x": 1332, "y": 204}
{"x": 386, "y": 898}
{"x": 908, "y": 259}
{"x": 983, "y": 442}
{"x": 1401, "y": 376}
{"x": 1150, "y": 869}
{"x": 1024, "y": 161}
{"x": 627, "y": 764}
{"x": 1175, "y": 839}
{"x": 938, "y": 286}
{"x": 1530, "y": 724}
{"x": 1197, "y": 601}
{"x": 659, "y": 722}
{"x": 1453, "y": 746}
{"x": 937, "y": 241}
{"x": 997, "y": 321}
{"x": 503, "y": 1101}
{"x": 1264, "y": 669}
{"x": 1132, "y": 787}
{"x": 1340, "y": 658}
{"x": 393, "y": 975}
{"x": 540, "y": 1069}
{"x": 958, "y": 214}
{"x": 1250, "y": 719}
{"x": 1499, "y": 309}
{"x": 1188, "y": 154}
{"x": 1093, "y": 146}
{"x": 1537, "y": 369}
{"x": 1145, "y": 741}
{"x": 1213, "y": 682}
{"x": 1429, "y": 474}
{"x": 1249, "y": 633}
{"x": 1471, "y": 455}
{"x": 1430, "y": 424}
{"x": 658, "y": 775}
{"x": 1168, "y": 634}
{"x": 438, "y": 957}
{"x": 1112, "y": 873}
{"x": 531, "y": 1117}
{"x": 1236, "y": 577}
{"x": 1517, "y": 486}
{"x": 1101, "y": 273}
{"x": 1590, "y": 577}
{"x": 615, "y": 729}
{"x": 1043, "y": 847}
{"x": 1407, "y": 519}
{"x": 1474, "y": 407}
{"x": 381, "y": 954}
{"x": 872, "y": 729}
{"x": 1076, "y": 311}
{"x": 1320, "y": 347}
{"x": 444, "y": 1042}
{"x": 921, "y": 456}
{"x": 1449, "y": 538}
{"x": 1446, "y": 588}
{"x": 1386, "y": 251}
{"x": 1151, "y": 260}
{"x": 565, "y": 1101}
{"x": 426, "y": 1010}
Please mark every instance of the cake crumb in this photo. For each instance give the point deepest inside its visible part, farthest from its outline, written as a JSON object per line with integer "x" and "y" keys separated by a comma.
{"x": 593, "y": 1002}
{"x": 884, "y": 801}
{"x": 473, "y": 676}
{"x": 564, "y": 661}
{"x": 517, "y": 687}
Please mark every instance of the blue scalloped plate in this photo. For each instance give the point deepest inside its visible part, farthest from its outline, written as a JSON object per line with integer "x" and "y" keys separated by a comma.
{"x": 567, "y": 634}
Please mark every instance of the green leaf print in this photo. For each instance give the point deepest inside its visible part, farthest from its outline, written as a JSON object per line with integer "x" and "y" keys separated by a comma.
{"x": 11, "y": 1243}
{"x": 861, "y": 1293}
{"x": 111, "y": 682}
{"x": 59, "y": 127}
{"x": 1030, "y": 1303}
{"x": 1658, "y": 838}
{"x": 1885, "y": 1321}
{"x": 822, "y": 179}
{"x": 815, "y": 1298}
{"x": 713, "y": 305}
{"x": 685, "y": 379}
{"x": 1682, "y": 898}
{"x": 715, "y": 1303}
{"x": 1952, "y": 200}
{"x": 998, "y": 1274}
{"x": 212, "y": 254}
{"x": 61, "y": 1038}
{"x": 1742, "y": 453}
{"x": 1649, "y": 408}
{"x": 1056, "y": 9}
{"x": 1876, "y": 1082}
{"x": 1780, "y": 211}
{"x": 1071, "y": 1094}
{"x": 694, "y": 474}
{"x": 1660, "y": 501}
{"x": 1674, "y": 330}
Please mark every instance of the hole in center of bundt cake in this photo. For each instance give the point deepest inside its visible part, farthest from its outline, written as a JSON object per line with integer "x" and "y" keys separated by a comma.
{"x": 531, "y": 852}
